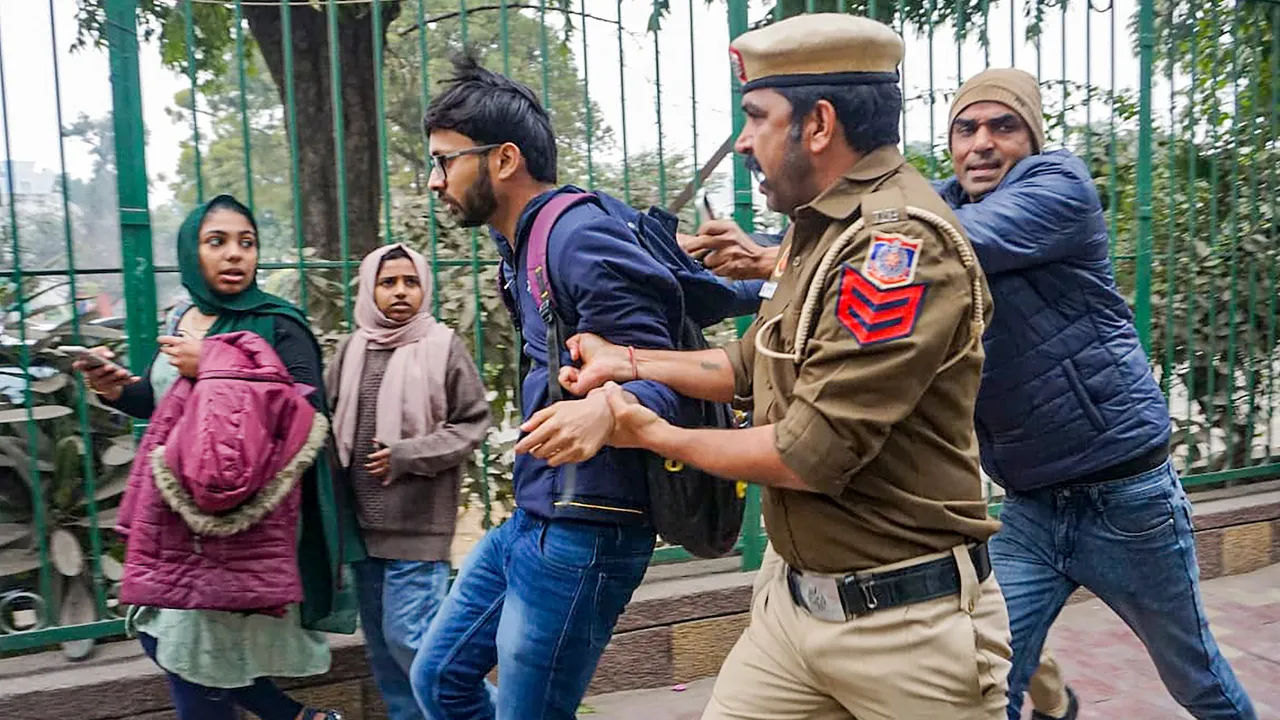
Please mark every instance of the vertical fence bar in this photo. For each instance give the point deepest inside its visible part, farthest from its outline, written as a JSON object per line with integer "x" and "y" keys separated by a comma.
{"x": 504, "y": 32}
{"x": 657, "y": 93}
{"x": 1062, "y": 112}
{"x": 131, "y": 182}
{"x": 339, "y": 154}
{"x": 1142, "y": 282}
{"x": 1088, "y": 81}
{"x": 933, "y": 162}
{"x": 88, "y": 466}
{"x": 1013, "y": 33}
{"x": 380, "y": 101}
{"x": 622, "y": 93}
{"x": 424, "y": 88}
{"x": 1275, "y": 226}
{"x": 744, "y": 215}
{"x": 1192, "y": 214}
{"x": 1233, "y": 222}
{"x": 962, "y": 33}
{"x": 542, "y": 34}
{"x": 291, "y": 118}
{"x": 586, "y": 99}
{"x": 693, "y": 98}
{"x": 1211, "y": 345}
{"x": 1112, "y": 184}
{"x": 478, "y": 327}
{"x": 1171, "y": 256}
{"x": 902, "y": 32}
{"x": 1257, "y": 150}
{"x": 190, "y": 30}
{"x": 244, "y": 107}
{"x": 39, "y": 515}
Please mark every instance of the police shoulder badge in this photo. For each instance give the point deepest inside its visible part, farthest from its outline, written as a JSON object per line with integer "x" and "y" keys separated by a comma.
{"x": 891, "y": 260}
{"x": 877, "y": 315}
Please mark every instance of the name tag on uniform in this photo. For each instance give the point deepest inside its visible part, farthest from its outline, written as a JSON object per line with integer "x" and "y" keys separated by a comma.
{"x": 768, "y": 289}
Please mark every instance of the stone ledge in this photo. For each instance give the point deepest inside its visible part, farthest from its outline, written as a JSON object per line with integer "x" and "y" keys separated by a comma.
{"x": 680, "y": 625}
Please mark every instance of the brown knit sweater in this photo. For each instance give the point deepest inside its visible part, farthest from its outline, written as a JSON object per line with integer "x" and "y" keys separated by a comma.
{"x": 414, "y": 517}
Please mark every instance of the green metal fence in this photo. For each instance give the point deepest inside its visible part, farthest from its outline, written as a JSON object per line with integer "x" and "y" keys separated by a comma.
{"x": 310, "y": 112}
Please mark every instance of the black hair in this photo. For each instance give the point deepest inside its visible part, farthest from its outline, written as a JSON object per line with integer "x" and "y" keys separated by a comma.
{"x": 395, "y": 253}
{"x": 491, "y": 108}
{"x": 868, "y": 113}
{"x": 228, "y": 202}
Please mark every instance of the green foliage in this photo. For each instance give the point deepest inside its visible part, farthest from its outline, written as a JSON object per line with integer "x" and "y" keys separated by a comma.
{"x": 72, "y": 435}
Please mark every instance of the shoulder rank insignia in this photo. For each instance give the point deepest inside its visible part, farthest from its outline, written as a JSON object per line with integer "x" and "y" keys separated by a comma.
{"x": 891, "y": 260}
{"x": 874, "y": 315}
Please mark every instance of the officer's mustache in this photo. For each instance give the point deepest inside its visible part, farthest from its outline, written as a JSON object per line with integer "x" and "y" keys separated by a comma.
{"x": 754, "y": 166}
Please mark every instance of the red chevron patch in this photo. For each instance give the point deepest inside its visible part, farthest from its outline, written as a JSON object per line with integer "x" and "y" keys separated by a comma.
{"x": 874, "y": 315}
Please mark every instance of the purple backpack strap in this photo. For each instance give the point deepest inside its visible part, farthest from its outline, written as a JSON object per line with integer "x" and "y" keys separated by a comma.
{"x": 536, "y": 259}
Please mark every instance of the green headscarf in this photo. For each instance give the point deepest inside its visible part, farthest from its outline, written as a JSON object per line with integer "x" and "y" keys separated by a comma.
{"x": 329, "y": 535}
{"x": 252, "y": 309}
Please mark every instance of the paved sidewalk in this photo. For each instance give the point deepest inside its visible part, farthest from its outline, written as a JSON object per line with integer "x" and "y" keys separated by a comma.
{"x": 1102, "y": 659}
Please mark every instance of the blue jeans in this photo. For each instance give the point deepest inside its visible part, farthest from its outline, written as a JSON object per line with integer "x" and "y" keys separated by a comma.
{"x": 539, "y": 600}
{"x": 398, "y": 599}
{"x": 197, "y": 702}
{"x": 1130, "y": 542}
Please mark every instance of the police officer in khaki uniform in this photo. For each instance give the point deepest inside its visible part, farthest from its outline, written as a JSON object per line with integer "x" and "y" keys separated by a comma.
{"x": 863, "y": 368}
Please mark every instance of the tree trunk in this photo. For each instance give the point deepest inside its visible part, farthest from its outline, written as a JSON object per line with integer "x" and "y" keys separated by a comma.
{"x": 317, "y": 160}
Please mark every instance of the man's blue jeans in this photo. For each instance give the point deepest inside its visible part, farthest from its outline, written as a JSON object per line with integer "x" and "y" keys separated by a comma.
{"x": 398, "y": 599}
{"x": 1130, "y": 542}
{"x": 539, "y": 600}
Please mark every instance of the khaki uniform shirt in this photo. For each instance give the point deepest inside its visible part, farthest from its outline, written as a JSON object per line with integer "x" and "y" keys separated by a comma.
{"x": 884, "y": 440}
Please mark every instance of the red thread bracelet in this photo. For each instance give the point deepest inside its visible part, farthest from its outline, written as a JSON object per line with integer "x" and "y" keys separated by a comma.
{"x": 635, "y": 372}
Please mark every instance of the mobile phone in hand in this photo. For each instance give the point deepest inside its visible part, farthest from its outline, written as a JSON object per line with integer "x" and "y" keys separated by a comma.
{"x": 91, "y": 360}
{"x": 707, "y": 209}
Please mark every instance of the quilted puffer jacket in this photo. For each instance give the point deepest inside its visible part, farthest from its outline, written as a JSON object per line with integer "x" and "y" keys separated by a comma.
{"x": 212, "y": 505}
{"x": 1066, "y": 389}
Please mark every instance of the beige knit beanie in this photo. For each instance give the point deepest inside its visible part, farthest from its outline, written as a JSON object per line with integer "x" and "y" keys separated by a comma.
{"x": 1016, "y": 88}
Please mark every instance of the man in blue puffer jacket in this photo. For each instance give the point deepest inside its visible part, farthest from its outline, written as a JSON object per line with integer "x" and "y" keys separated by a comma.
{"x": 1070, "y": 421}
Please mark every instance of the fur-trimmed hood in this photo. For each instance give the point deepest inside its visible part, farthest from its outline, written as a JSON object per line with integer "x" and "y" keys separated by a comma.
{"x": 245, "y": 435}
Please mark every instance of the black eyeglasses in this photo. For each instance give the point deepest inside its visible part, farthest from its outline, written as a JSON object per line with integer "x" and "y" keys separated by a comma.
{"x": 441, "y": 162}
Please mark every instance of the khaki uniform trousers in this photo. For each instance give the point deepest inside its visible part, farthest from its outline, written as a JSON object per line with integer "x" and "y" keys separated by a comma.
{"x": 1048, "y": 690}
{"x": 944, "y": 658}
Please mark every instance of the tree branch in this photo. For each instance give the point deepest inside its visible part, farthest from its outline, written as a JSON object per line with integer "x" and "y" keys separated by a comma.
{"x": 686, "y": 194}
{"x": 483, "y": 8}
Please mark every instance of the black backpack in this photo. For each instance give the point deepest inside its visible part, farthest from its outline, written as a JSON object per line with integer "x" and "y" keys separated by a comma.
{"x": 688, "y": 507}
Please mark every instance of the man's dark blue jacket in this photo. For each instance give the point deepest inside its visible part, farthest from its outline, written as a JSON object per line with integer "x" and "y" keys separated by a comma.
{"x": 605, "y": 283}
{"x": 1067, "y": 390}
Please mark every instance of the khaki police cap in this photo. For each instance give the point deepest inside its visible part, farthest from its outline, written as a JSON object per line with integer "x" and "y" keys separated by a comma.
{"x": 817, "y": 49}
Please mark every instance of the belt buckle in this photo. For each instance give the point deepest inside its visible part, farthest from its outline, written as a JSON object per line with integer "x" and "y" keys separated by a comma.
{"x": 820, "y": 596}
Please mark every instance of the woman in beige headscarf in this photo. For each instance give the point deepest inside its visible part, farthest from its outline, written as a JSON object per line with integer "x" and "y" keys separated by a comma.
{"x": 410, "y": 410}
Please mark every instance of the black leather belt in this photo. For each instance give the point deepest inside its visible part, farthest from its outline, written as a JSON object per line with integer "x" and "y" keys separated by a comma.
{"x": 1133, "y": 467}
{"x": 837, "y": 599}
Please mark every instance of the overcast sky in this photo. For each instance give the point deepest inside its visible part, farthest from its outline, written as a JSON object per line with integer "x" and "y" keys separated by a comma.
{"x": 28, "y": 52}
